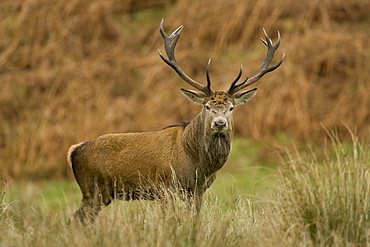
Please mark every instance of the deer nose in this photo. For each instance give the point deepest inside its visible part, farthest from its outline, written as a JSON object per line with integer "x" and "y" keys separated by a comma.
{"x": 220, "y": 125}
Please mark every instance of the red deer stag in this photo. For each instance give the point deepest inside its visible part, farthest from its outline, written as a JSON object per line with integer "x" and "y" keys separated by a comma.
{"x": 184, "y": 158}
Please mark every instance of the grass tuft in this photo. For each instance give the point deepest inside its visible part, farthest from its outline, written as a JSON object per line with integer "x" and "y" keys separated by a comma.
{"x": 326, "y": 202}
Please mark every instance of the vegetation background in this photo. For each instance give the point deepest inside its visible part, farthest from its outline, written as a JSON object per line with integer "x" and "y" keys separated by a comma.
{"x": 72, "y": 70}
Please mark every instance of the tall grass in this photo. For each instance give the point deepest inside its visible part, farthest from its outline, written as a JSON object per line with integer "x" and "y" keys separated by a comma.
{"x": 322, "y": 200}
{"x": 325, "y": 202}
{"x": 130, "y": 223}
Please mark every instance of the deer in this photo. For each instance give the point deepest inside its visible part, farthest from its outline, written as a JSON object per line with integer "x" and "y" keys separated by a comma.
{"x": 185, "y": 157}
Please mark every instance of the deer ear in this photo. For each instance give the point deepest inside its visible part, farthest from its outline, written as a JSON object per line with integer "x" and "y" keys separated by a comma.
{"x": 241, "y": 98}
{"x": 196, "y": 97}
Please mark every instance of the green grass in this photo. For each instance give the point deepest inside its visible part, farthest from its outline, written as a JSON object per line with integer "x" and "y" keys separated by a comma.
{"x": 248, "y": 172}
{"x": 314, "y": 200}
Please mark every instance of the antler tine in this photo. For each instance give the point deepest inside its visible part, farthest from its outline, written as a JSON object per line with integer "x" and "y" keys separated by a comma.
{"x": 265, "y": 65}
{"x": 233, "y": 84}
{"x": 208, "y": 77}
{"x": 169, "y": 47}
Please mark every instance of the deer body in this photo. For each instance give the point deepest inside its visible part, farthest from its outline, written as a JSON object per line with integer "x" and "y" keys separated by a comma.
{"x": 167, "y": 156}
{"x": 149, "y": 165}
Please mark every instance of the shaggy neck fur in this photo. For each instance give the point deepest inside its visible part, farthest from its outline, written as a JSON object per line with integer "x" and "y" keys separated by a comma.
{"x": 209, "y": 150}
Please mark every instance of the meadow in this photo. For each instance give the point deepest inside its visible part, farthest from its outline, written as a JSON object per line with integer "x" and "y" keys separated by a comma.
{"x": 316, "y": 200}
{"x": 298, "y": 174}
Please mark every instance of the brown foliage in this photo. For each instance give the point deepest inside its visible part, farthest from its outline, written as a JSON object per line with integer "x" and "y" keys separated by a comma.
{"x": 72, "y": 70}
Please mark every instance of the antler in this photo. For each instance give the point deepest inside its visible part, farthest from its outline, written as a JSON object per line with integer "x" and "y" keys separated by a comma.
{"x": 234, "y": 88}
{"x": 169, "y": 46}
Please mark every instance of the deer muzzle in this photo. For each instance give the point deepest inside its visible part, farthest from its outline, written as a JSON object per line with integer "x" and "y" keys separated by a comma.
{"x": 219, "y": 124}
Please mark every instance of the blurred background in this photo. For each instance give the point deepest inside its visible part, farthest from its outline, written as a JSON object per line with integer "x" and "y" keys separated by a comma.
{"x": 72, "y": 70}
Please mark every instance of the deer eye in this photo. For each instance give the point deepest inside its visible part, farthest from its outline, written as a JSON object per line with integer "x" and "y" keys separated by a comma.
{"x": 207, "y": 108}
{"x": 231, "y": 108}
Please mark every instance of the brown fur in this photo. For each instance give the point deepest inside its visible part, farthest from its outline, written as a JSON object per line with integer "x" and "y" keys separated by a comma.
{"x": 141, "y": 165}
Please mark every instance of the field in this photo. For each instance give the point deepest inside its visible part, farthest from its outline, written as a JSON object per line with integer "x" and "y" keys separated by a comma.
{"x": 298, "y": 174}
{"x": 315, "y": 201}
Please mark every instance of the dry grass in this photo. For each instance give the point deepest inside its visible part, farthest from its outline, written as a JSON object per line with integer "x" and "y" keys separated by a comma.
{"x": 72, "y": 70}
{"x": 320, "y": 202}
{"x": 325, "y": 202}
{"x": 136, "y": 224}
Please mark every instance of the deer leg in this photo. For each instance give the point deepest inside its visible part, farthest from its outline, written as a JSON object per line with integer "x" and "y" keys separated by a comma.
{"x": 198, "y": 198}
{"x": 194, "y": 202}
{"x": 195, "y": 199}
{"x": 90, "y": 209}
{"x": 87, "y": 213}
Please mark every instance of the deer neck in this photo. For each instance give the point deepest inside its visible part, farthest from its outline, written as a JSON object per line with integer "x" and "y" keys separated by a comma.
{"x": 207, "y": 149}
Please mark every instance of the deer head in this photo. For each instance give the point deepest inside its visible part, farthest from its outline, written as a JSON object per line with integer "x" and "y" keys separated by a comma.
{"x": 218, "y": 105}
